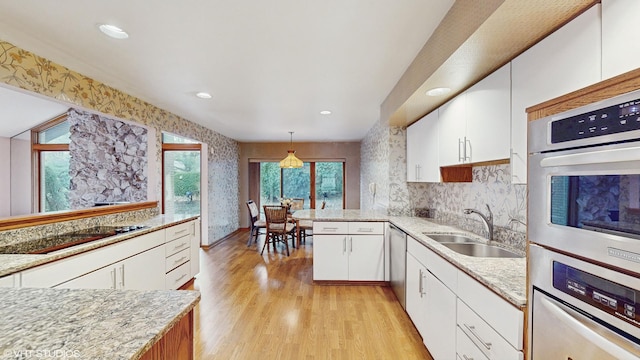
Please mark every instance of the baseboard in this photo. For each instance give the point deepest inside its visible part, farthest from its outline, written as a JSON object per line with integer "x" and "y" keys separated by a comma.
{"x": 227, "y": 237}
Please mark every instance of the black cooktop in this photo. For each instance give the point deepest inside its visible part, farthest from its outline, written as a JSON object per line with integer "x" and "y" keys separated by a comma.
{"x": 61, "y": 241}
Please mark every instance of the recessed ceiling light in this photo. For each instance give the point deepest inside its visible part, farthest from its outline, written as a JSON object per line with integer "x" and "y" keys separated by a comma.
{"x": 113, "y": 31}
{"x": 438, "y": 91}
{"x": 203, "y": 95}
{"x": 325, "y": 112}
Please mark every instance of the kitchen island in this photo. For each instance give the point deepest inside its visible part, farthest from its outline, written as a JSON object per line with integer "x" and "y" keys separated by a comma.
{"x": 96, "y": 324}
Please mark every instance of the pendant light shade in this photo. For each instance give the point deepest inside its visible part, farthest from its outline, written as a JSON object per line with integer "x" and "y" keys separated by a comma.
{"x": 291, "y": 161}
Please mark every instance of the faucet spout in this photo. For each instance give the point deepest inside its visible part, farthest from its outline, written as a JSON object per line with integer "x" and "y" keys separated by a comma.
{"x": 487, "y": 220}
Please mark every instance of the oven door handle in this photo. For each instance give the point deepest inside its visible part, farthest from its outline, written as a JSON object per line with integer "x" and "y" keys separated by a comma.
{"x": 600, "y": 336}
{"x": 593, "y": 157}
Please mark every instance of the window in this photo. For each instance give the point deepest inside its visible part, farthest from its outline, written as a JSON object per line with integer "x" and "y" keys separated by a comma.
{"x": 51, "y": 154}
{"x": 316, "y": 182}
{"x": 181, "y": 175}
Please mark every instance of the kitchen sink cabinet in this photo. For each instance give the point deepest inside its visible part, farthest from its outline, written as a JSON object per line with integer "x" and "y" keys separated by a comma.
{"x": 566, "y": 60}
{"x": 456, "y": 315}
{"x": 348, "y": 251}
{"x": 422, "y": 150}
{"x": 619, "y": 26}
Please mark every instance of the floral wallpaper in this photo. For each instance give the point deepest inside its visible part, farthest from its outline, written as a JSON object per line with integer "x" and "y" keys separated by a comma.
{"x": 23, "y": 69}
{"x": 384, "y": 161}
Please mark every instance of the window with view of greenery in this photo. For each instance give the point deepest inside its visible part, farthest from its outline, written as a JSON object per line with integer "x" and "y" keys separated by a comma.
{"x": 53, "y": 160}
{"x": 276, "y": 183}
{"x": 181, "y": 168}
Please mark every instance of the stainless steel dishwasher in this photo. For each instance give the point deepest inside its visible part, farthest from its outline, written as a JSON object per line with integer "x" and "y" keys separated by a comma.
{"x": 398, "y": 263}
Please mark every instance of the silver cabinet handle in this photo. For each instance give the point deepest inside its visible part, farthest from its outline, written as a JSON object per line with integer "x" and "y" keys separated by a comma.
{"x": 365, "y": 230}
{"x": 180, "y": 246}
{"x": 467, "y": 157}
{"x": 180, "y": 232}
{"x": 179, "y": 260}
{"x": 351, "y": 244}
{"x": 472, "y": 329}
{"x": 122, "y": 276}
{"x": 113, "y": 278}
{"x": 421, "y": 283}
{"x": 344, "y": 245}
{"x": 460, "y": 153}
{"x": 180, "y": 278}
{"x": 465, "y": 357}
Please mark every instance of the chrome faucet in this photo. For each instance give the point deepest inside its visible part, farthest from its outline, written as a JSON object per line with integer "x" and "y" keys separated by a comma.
{"x": 488, "y": 220}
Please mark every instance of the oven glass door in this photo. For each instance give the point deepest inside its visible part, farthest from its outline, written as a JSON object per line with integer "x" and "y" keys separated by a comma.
{"x": 608, "y": 203}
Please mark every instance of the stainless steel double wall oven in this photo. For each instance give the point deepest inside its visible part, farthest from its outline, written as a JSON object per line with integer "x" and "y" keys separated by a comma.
{"x": 584, "y": 226}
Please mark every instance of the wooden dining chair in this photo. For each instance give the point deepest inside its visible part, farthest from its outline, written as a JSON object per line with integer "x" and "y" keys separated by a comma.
{"x": 256, "y": 223}
{"x": 297, "y": 204}
{"x": 279, "y": 228}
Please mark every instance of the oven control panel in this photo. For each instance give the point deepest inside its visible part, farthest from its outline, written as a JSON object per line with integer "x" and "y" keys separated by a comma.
{"x": 608, "y": 296}
{"x": 610, "y": 120}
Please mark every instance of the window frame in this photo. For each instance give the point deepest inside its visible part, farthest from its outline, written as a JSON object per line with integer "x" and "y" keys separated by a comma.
{"x": 176, "y": 147}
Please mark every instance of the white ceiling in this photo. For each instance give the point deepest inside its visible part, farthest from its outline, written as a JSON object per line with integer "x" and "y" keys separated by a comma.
{"x": 271, "y": 66}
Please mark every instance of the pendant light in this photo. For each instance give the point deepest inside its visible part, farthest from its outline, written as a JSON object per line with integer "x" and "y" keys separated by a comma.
{"x": 291, "y": 161}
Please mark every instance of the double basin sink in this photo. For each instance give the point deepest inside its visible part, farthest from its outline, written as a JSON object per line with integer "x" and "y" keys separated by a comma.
{"x": 470, "y": 247}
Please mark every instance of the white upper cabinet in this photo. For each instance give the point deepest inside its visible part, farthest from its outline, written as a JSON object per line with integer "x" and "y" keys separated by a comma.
{"x": 565, "y": 61}
{"x": 489, "y": 117}
{"x": 422, "y": 150}
{"x": 452, "y": 131}
{"x": 620, "y": 51}
{"x": 474, "y": 126}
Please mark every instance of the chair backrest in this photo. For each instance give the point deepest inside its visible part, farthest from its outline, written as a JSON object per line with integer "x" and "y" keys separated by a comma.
{"x": 324, "y": 203}
{"x": 254, "y": 213}
{"x": 275, "y": 214}
{"x": 297, "y": 203}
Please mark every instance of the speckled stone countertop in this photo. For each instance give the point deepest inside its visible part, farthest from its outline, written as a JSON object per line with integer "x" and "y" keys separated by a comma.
{"x": 12, "y": 263}
{"x": 87, "y": 324}
{"x": 505, "y": 276}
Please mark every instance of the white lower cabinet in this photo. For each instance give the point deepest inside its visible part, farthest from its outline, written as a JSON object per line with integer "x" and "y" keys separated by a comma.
{"x": 457, "y": 316}
{"x": 439, "y": 336}
{"x": 416, "y": 299}
{"x": 348, "y": 251}
{"x": 7, "y": 281}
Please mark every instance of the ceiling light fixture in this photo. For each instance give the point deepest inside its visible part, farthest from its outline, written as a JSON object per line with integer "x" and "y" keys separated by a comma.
{"x": 325, "y": 112}
{"x": 291, "y": 161}
{"x": 438, "y": 91}
{"x": 113, "y": 31}
{"x": 203, "y": 95}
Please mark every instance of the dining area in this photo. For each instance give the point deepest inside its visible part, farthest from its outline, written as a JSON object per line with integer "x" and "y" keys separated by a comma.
{"x": 278, "y": 225}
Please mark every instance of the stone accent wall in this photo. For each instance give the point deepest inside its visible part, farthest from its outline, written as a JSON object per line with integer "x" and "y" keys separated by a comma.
{"x": 108, "y": 160}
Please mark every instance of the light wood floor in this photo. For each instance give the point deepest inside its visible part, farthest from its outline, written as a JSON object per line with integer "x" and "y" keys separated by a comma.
{"x": 266, "y": 307}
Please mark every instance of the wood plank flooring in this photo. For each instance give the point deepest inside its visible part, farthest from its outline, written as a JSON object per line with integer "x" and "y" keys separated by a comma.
{"x": 267, "y": 307}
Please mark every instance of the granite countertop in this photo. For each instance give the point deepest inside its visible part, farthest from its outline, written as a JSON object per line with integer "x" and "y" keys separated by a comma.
{"x": 12, "y": 263}
{"x": 87, "y": 324}
{"x": 505, "y": 276}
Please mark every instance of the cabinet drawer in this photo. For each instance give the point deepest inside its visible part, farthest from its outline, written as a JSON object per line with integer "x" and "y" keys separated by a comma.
{"x": 466, "y": 349}
{"x": 439, "y": 267}
{"x": 322, "y": 227}
{"x": 368, "y": 228}
{"x": 505, "y": 318}
{"x": 178, "y": 276}
{"x": 177, "y": 245}
{"x": 178, "y": 231}
{"x": 177, "y": 259}
{"x": 488, "y": 340}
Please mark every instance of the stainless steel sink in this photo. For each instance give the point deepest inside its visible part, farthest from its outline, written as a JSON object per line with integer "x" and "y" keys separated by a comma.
{"x": 451, "y": 238}
{"x": 481, "y": 250}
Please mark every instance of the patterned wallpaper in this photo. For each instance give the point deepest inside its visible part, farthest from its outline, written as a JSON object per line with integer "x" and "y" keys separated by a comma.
{"x": 384, "y": 162}
{"x": 23, "y": 69}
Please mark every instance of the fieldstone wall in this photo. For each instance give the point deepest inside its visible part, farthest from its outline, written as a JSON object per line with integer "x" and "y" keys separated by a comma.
{"x": 108, "y": 160}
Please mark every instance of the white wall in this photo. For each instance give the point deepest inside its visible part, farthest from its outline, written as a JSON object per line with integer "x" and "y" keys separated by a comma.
{"x": 20, "y": 186}
{"x": 5, "y": 177}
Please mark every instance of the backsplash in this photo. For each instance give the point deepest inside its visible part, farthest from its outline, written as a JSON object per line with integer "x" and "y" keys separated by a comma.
{"x": 384, "y": 163}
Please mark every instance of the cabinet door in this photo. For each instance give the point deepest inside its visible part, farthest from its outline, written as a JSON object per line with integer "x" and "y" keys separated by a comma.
{"x": 366, "y": 257}
{"x": 452, "y": 130}
{"x": 415, "y": 293}
{"x": 567, "y": 60}
{"x": 145, "y": 271}
{"x": 440, "y": 315}
{"x": 619, "y": 26}
{"x": 104, "y": 278}
{"x": 7, "y": 281}
{"x": 330, "y": 257}
{"x": 488, "y": 109}
{"x": 422, "y": 150}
